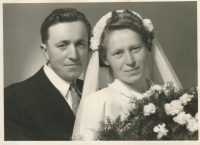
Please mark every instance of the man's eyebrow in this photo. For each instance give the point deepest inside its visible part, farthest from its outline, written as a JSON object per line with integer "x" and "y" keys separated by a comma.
{"x": 81, "y": 40}
{"x": 63, "y": 41}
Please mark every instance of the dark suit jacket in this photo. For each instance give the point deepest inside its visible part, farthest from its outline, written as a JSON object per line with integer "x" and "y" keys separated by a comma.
{"x": 35, "y": 110}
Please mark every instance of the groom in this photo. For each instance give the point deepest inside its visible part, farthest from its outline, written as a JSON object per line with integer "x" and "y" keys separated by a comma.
{"x": 44, "y": 106}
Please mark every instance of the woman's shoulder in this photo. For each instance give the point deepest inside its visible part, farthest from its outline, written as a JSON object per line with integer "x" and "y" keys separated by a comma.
{"x": 103, "y": 92}
{"x": 101, "y": 96}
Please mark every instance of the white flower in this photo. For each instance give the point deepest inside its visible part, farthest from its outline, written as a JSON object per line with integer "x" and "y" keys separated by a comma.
{"x": 94, "y": 43}
{"x": 97, "y": 31}
{"x": 133, "y": 105}
{"x": 161, "y": 130}
{"x": 125, "y": 115}
{"x": 166, "y": 91}
{"x": 196, "y": 116}
{"x": 148, "y": 94}
{"x": 168, "y": 84}
{"x": 149, "y": 109}
{"x": 185, "y": 98}
{"x": 148, "y": 24}
{"x": 157, "y": 88}
{"x": 145, "y": 95}
{"x": 176, "y": 89}
{"x": 168, "y": 109}
{"x": 192, "y": 125}
{"x": 174, "y": 107}
{"x": 182, "y": 118}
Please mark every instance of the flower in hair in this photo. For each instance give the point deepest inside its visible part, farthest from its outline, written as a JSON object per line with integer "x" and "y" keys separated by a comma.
{"x": 148, "y": 24}
{"x": 94, "y": 43}
{"x": 97, "y": 31}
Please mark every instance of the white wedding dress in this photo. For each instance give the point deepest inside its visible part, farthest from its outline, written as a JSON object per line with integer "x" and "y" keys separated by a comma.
{"x": 108, "y": 102}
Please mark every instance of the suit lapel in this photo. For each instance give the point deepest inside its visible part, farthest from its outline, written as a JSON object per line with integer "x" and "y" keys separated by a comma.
{"x": 61, "y": 109}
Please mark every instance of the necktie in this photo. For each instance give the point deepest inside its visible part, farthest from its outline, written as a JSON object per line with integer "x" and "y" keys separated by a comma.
{"x": 75, "y": 98}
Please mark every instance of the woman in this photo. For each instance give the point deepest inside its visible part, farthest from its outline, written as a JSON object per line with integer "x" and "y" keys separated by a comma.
{"x": 124, "y": 40}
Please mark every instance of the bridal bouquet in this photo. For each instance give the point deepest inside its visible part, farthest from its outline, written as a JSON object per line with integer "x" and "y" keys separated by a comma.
{"x": 164, "y": 113}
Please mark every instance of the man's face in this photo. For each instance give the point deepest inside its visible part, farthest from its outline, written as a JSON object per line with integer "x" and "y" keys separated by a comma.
{"x": 67, "y": 49}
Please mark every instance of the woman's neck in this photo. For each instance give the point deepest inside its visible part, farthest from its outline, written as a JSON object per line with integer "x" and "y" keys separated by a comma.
{"x": 140, "y": 87}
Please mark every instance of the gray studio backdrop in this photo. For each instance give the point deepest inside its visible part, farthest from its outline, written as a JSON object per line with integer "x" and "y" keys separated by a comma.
{"x": 175, "y": 27}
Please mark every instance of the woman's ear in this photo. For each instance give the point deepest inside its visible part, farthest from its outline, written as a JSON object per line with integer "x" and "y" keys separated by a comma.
{"x": 45, "y": 51}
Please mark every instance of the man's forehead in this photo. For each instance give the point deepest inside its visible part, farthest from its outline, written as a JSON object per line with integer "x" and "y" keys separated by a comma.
{"x": 68, "y": 30}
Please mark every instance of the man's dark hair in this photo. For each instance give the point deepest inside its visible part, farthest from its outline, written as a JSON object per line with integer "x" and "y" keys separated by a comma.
{"x": 63, "y": 15}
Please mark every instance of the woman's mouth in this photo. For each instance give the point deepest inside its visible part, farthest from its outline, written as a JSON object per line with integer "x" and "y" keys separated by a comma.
{"x": 132, "y": 69}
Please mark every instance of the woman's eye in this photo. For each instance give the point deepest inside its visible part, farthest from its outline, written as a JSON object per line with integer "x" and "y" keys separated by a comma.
{"x": 135, "y": 49}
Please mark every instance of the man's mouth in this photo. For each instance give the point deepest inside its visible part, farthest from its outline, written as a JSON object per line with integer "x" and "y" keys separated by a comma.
{"x": 73, "y": 64}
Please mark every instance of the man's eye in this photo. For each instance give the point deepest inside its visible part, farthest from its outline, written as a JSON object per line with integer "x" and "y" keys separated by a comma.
{"x": 118, "y": 53}
{"x": 62, "y": 45}
{"x": 81, "y": 44}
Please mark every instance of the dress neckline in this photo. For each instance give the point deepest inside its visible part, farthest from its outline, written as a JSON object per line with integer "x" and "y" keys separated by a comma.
{"x": 119, "y": 87}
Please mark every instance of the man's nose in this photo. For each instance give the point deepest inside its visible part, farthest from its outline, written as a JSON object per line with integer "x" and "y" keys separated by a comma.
{"x": 72, "y": 54}
{"x": 129, "y": 58}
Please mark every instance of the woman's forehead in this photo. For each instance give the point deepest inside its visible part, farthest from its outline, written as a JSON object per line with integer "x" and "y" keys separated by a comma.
{"x": 122, "y": 37}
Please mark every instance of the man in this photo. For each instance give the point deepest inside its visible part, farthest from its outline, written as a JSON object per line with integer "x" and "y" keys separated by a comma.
{"x": 44, "y": 106}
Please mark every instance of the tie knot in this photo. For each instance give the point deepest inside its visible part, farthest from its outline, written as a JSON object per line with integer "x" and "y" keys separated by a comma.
{"x": 73, "y": 87}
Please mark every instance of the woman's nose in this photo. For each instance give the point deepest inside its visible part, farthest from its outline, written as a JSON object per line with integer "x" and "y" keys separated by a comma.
{"x": 72, "y": 54}
{"x": 129, "y": 59}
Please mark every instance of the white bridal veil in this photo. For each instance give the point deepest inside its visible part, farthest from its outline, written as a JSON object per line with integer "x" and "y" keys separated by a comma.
{"x": 159, "y": 69}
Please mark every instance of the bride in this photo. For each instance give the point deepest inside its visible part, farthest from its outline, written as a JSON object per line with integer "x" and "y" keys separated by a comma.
{"x": 122, "y": 41}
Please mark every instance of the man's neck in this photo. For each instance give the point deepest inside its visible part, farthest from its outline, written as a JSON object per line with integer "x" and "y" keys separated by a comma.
{"x": 70, "y": 82}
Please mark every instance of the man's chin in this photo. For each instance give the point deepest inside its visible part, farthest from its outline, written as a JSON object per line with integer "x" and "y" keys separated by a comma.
{"x": 72, "y": 77}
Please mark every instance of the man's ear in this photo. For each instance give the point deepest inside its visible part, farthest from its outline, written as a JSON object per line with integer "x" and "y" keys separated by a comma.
{"x": 45, "y": 51}
{"x": 106, "y": 62}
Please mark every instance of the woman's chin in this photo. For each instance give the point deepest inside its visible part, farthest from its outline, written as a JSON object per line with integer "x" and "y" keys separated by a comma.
{"x": 132, "y": 80}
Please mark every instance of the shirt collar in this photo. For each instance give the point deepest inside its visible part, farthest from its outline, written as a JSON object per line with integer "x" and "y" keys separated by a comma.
{"x": 58, "y": 82}
{"x": 118, "y": 86}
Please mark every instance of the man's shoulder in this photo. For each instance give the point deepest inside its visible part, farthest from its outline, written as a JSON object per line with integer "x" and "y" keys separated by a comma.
{"x": 23, "y": 87}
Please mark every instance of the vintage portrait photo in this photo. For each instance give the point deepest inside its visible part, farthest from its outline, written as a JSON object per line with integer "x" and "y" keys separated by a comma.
{"x": 100, "y": 71}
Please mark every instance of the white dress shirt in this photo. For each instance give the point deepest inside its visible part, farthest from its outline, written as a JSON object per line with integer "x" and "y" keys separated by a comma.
{"x": 62, "y": 85}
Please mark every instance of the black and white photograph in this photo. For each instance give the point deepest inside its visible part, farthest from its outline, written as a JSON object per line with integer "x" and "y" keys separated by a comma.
{"x": 100, "y": 71}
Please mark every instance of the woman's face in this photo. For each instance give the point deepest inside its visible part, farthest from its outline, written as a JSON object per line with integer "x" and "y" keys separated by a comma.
{"x": 126, "y": 54}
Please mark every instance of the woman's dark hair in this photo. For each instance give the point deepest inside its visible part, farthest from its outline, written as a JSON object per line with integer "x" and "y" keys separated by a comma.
{"x": 124, "y": 20}
{"x": 60, "y": 16}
